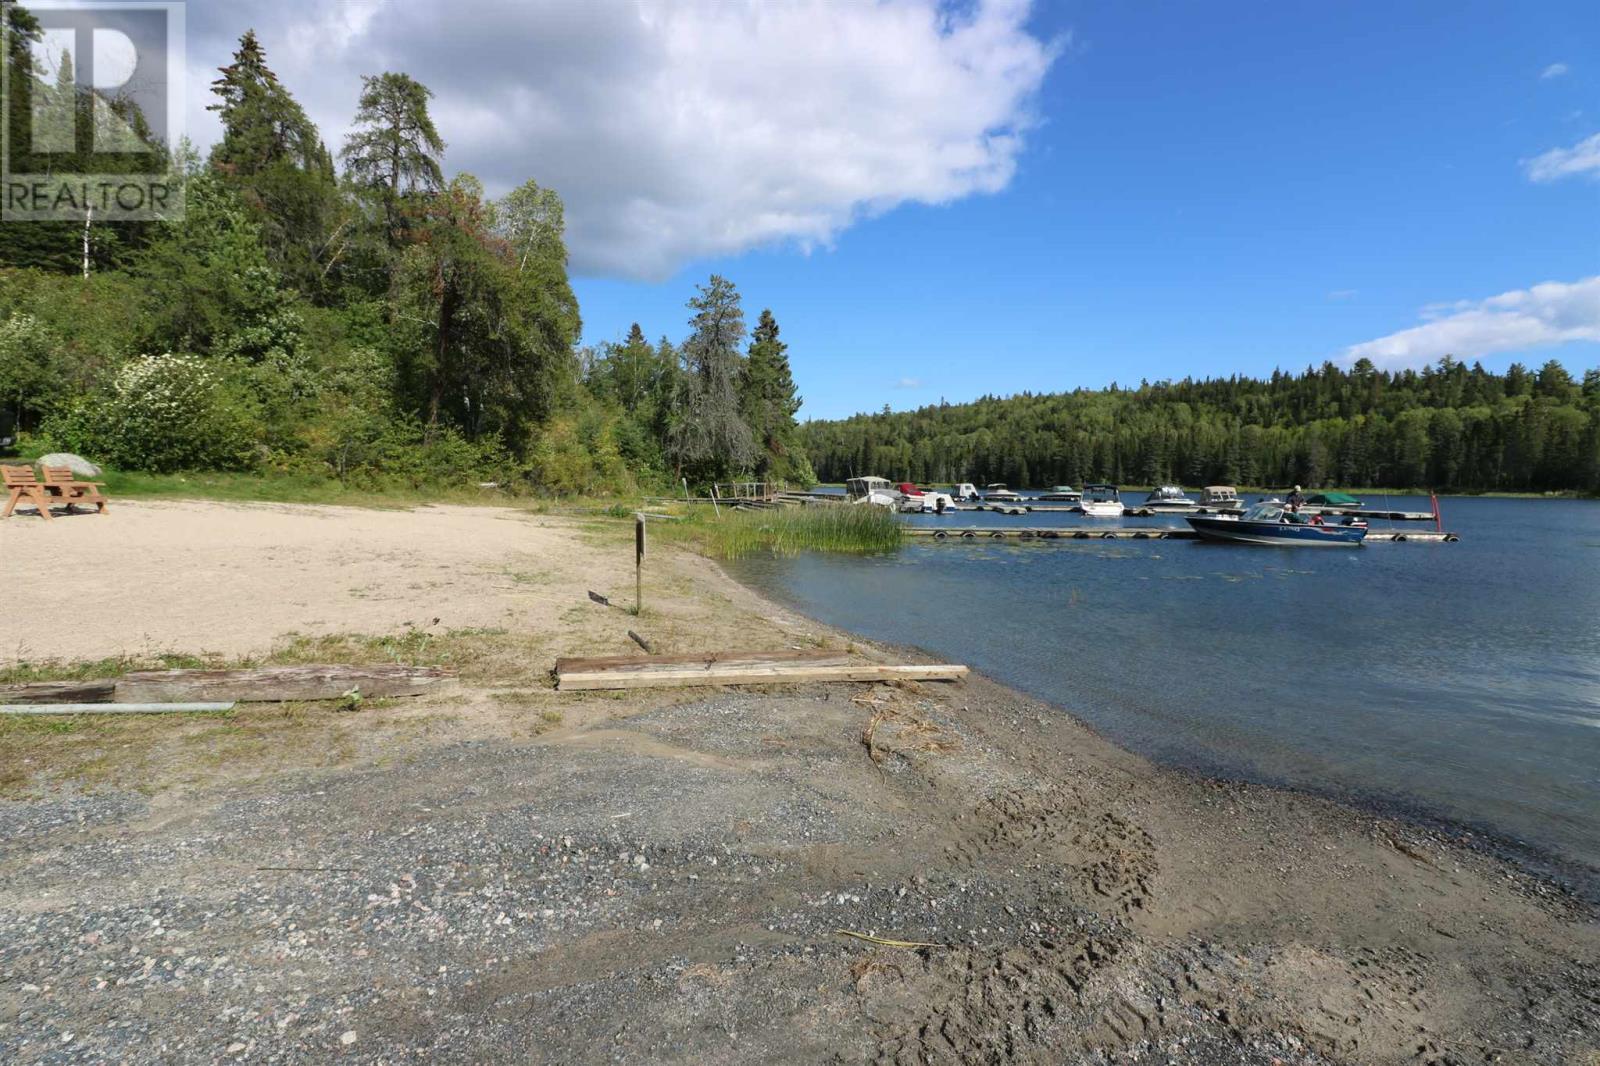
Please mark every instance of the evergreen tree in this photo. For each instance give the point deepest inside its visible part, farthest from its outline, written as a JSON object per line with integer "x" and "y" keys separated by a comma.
{"x": 262, "y": 124}
{"x": 708, "y": 436}
{"x": 394, "y": 151}
{"x": 271, "y": 153}
{"x": 769, "y": 401}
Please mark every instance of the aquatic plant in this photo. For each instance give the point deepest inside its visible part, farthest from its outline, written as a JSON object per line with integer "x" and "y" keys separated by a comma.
{"x": 859, "y": 530}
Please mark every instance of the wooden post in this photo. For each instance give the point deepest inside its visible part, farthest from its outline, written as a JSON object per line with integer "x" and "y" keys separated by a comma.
{"x": 638, "y": 564}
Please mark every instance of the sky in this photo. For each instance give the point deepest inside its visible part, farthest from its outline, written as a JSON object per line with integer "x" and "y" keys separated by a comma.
{"x": 942, "y": 201}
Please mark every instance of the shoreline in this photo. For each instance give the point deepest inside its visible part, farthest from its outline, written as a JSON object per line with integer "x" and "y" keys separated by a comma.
{"x": 511, "y": 873}
{"x": 1567, "y": 875}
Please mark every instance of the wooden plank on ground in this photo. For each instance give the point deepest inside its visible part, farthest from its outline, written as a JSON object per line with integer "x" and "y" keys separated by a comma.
{"x": 700, "y": 659}
{"x": 788, "y": 674}
{"x": 99, "y": 691}
{"x": 115, "y": 708}
{"x": 275, "y": 684}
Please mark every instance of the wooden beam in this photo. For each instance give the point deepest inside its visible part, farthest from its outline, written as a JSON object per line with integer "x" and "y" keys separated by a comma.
{"x": 700, "y": 659}
{"x": 99, "y": 691}
{"x": 792, "y": 674}
{"x": 115, "y": 708}
{"x": 275, "y": 684}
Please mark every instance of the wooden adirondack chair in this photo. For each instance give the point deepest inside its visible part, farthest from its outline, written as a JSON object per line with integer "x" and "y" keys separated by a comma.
{"x": 61, "y": 483}
{"x": 21, "y": 483}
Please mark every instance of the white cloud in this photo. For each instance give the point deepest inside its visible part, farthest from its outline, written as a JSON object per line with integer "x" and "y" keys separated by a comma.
{"x": 1581, "y": 158}
{"x": 1554, "y": 70}
{"x": 1554, "y": 312}
{"x": 908, "y": 383}
{"x": 677, "y": 130}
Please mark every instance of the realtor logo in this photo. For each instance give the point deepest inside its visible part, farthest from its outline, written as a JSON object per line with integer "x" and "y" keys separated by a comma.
{"x": 94, "y": 104}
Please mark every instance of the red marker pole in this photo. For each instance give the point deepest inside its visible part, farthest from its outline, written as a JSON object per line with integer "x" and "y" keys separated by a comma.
{"x": 1438, "y": 523}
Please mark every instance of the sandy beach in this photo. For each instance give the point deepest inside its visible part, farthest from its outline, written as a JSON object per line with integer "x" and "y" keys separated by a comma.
{"x": 502, "y": 872}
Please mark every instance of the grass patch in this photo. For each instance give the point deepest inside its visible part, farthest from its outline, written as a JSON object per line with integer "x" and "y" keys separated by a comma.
{"x": 94, "y": 669}
{"x": 858, "y": 530}
{"x": 308, "y": 488}
{"x": 478, "y": 655}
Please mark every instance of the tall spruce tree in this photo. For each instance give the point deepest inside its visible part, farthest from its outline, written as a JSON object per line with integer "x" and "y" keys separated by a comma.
{"x": 769, "y": 401}
{"x": 395, "y": 149}
{"x": 708, "y": 436}
{"x": 272, "y": 155}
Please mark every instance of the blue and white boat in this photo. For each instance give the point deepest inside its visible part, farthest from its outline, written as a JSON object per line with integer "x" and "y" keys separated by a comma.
{"x": 1269, "y": 523}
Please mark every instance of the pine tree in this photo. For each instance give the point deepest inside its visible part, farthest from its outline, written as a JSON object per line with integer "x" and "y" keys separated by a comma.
{"x": 708, "y": 436}
{"x": 395, "y": 148}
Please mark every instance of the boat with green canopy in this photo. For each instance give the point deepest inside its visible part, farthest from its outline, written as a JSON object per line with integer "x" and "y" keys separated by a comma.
{"x": 1332, "y": 499}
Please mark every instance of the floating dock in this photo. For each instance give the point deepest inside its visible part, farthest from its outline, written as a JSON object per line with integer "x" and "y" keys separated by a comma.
{"x": 1137, "y": 533}
{"x": 1136, "y": 511}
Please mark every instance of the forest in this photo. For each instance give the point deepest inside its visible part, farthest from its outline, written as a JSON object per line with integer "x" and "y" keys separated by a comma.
{"x": 1446, "y": 427}
{"x": 356, "y": 314}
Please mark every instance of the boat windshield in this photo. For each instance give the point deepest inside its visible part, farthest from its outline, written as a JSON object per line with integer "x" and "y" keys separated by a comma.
{"x": 1264, "y": 512}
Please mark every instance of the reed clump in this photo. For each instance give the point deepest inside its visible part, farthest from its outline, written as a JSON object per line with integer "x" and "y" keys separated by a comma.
{"x": 852, "y": 529}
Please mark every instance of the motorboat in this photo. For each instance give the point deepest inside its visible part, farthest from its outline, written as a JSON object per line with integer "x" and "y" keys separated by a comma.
{"x": 1101, "y": 501}
{"x": 998, "y": 493}
{"x": 877, "y": 491}
{"x": 1220, "y": 498}
{"x": 966, "y": 492}
{"x": 1269, "y": 522}
{"x": 1333, "y": 501}
{"x": 1061, "y": 494}
{"x": 923, "y": 501}
{"x": 1168, "y": 498}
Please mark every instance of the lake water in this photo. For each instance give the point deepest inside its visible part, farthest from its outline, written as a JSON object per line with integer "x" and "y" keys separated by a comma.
{"x": 1458, "y": 680}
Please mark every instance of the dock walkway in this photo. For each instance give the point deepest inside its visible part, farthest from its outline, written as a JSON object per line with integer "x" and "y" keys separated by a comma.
{"x": 1136, "y": 533}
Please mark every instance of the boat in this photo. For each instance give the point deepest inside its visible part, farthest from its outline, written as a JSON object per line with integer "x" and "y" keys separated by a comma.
{"x": 1061, "y": 494}
{"x": 1269, "y": 522}
{"x": 998, "y": 493}
{"x": 923, "y": 501}
{"x": 1101, "y": 501}
{"x": 966, "y": 492}
{"x": 877, "y": 491}
{"x": 1220, "y": 498}
{"x": 1338, "y": 501}
{"x": 1168, "y": 498}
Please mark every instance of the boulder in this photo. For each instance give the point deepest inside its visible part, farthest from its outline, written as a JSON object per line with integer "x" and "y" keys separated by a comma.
{"x": 80, "y": 466}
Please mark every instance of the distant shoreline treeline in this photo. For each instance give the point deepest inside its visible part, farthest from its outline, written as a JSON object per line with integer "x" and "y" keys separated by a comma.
{"x": 1449, "y": 426}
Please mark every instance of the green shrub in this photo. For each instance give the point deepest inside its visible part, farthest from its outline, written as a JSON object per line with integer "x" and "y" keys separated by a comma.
{"x": 161, "y": 413}
{"x": 578, "y": 455}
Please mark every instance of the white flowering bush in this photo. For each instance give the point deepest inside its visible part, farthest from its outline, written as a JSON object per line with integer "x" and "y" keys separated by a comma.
{"x": 161, "y": 412}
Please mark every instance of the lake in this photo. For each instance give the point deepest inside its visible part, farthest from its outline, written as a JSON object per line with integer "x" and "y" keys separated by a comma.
{"x": 1460, "y": 681}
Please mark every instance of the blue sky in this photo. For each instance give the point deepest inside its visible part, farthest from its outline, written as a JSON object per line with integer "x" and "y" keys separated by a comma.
{"x": 1208, "y": 190}
{"x": 947, "y": 198}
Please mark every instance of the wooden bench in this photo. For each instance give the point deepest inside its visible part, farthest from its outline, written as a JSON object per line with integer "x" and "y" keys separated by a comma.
{"x": 21, "y": 483}
{"x": 60, "y": 482}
